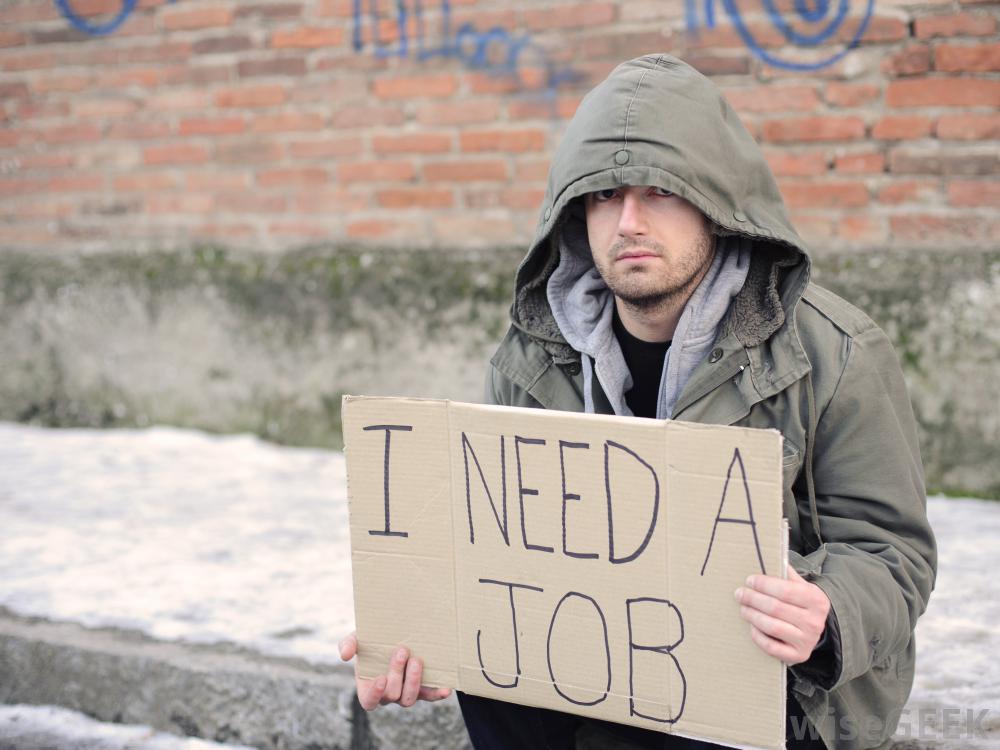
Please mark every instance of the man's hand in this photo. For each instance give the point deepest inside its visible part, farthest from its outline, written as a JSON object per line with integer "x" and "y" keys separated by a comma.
{"x": 401, "y": 685}
{"x": 786, "y": 616}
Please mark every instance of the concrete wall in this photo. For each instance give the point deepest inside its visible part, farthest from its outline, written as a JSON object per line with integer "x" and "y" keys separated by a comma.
{"x": 234, "y": 341}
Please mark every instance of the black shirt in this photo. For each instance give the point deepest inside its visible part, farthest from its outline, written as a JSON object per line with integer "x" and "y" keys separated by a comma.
{"x": 644, "y": 360}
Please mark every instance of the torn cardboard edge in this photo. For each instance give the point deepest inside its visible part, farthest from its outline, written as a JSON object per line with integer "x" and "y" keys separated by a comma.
{"x": 577, "y": 562}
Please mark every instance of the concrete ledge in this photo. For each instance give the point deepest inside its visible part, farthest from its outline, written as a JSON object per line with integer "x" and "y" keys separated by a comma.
{"x": 217, "y": 692}
{"x": 267, "y": 343}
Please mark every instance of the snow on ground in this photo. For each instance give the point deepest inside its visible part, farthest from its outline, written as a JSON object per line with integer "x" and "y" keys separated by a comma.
{"x": 46, "y": 727}
{"x": 198, "y": 537}
{"x": 177, "y": 533}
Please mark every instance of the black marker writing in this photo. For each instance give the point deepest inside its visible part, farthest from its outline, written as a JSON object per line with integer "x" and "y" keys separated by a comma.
{"x": 666, "y": 649}
{"x": 607, "y": 650}
{"x": 513, "y": 619}
{"x": 563, "y": 444}
{"x": 608, "y": 445}
{"x": 502, "y": 524}
{"x": 737, "y": 459}
{"x": 385, "y": 474}
{"x": 522, "y": 490}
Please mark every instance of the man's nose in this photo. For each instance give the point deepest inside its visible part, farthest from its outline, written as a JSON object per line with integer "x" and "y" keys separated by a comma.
{"x": 632, "y": 220}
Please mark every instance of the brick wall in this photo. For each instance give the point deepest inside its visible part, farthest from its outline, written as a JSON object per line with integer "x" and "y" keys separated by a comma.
{"x": 275, "y": 123}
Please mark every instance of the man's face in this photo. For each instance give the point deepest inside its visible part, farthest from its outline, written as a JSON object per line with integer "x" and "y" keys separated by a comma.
{"x": 648, "y": 244}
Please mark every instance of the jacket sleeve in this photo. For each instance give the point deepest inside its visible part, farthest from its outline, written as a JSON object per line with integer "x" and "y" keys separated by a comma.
{"x": 878, "y": 559}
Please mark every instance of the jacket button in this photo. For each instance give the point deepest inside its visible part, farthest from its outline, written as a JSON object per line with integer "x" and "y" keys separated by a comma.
{"x": 573, "y": 368}
{"x": 715, "y": 356}
{"x": 739, "y": 216}
{"x": 621, "y": 157}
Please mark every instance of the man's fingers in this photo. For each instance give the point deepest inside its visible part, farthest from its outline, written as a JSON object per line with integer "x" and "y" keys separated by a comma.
{"x": 372, "y": 696}
{"x": 411, "y": 682}
{"x": 348, "y": 647}
{"x": 790, "y": 591}
{"x": 769, "y": 605}
{"x": 773, "y": 627}
{"x": 397, "y": 666}
{"x": 433, "y": 694}
{"x": 777, "y": 649}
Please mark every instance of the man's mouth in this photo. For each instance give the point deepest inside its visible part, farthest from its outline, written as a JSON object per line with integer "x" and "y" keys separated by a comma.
{"x": 636, "y": 255}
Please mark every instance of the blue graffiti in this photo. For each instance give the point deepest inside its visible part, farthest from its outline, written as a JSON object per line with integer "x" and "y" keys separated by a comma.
{"x": 493, "y": 51}
{"x": 96, "y": 29}
{"x": 831, "y": 14}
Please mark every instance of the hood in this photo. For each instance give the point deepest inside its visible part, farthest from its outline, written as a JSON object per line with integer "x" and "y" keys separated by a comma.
{"x": 654, "y": 121}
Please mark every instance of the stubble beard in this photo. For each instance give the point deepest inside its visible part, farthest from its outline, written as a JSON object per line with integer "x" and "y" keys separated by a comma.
{"x": 636, "y": 289}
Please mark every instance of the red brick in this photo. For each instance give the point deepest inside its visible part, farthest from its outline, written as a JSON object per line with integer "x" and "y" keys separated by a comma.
{"x": 308, "y": 37}
{"x": 366, "y": 116}
{"x": 785, "y": 164}
{"x": 138, "y": 130}
{"x": 465, "y": 171}
{"x": 197, "y": 74}
{"x": 75, "y": 183}
{"x": 410, "y": 87}
{"x": 222, "y": 44}
{"x": 61, "y": 82}
{"x": 154, "y": 53}
{"x": 910, "y": 191}
{"x": 534, "y": 108}
{"x": 572, "y": 16}
{"x": 412, "y": 143}
{"x": 269, "y": 10}
{"x": 112, "y": 108}
{"x": 376, "y": 171}
{"x": 516, "y": 199}
{"x": 211, "y": 126}
{"x": 531, "y": 170}
{"x": 508, "y": 141}
{"x": 911, "y": 60}
{"x": 326, "y": 148}
{"x": 293, "y": 176}
{"x": 858, "y": 229}
{"x": 878, "y": 29}
{"x": 179, "y": 203}
{"x": 336, "y": 8}
{"x": 176, "y": 153}
{"x": 329, "y": 200}
{"x": 301, "y": 229}
{"x": 45, "y": 161}
{"x": 867, "y": 163}
{"x": 718, "y": 65}
{"x": 459, "y": 113}
{"x": 288, "y": 122}
{"x": 724, "y": 36}
{"x": 772, "y": 98}
{"x": 974, "y": 193}
{"x": 28, "y": 12}
{"x": 415, "y": 197}
{"x": 977, "y": 58}
{"x": 813, "y": 129}
{"x": 385, "y": 229}
{"x": 282, "y": 66}
{"x": 954, "y": 24}
{"x": 181, "y": 17}
{"x": 851, "y": 94}
{"x": 968, "y": 127}
{"x": 935, "y": 228}
{"x": 79, "y": 133}
{"x": 13, "y": 90}
{"x": 12, "y": 38}
{"x": 254, "y": 96}
{"x": 902, "y": 127}
{"x": 824, "y": 194}
{"x": 30, "y": 61}
{"x": 249, "y": 152}
{"x": 252, "y": 202}
{"x": 476, "y": 230}
{"x": 216, "y": 180}
{"x": 169, "y": 100}
{"x": 944, "y": 92}
{"x": 904, "y": 161}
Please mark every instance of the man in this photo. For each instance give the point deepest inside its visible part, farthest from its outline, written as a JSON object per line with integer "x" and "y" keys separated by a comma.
{"x": 665, "y": 280}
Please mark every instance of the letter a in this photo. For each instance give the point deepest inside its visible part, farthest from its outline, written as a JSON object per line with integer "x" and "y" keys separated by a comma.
{"x": 719, "y": 518}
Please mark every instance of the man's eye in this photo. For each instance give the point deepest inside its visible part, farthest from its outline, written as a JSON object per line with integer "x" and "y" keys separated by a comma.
{"x": 604, "y": 195}
{"x": 661, "y": 191}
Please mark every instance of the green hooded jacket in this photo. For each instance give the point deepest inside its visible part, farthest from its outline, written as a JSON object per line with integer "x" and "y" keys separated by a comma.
{"x": 788, "y": 355}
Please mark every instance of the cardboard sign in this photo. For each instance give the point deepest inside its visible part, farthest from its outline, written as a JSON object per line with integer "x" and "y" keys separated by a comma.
{"x": 577, "y": 562}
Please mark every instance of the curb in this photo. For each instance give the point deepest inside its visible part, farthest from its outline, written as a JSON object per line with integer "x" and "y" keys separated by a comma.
{"x": 219, "y": 692}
